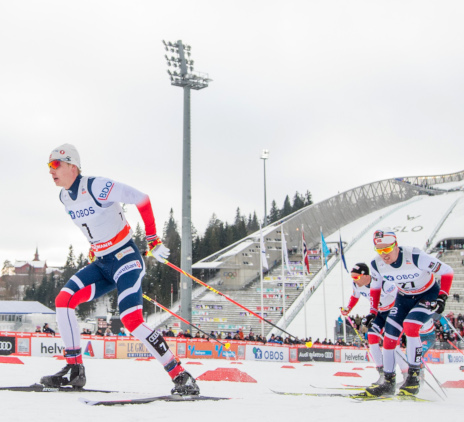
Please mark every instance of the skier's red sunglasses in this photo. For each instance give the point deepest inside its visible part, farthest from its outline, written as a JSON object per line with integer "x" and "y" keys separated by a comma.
{"x": 54, "y": 164}
{"x": 356, "y": 277}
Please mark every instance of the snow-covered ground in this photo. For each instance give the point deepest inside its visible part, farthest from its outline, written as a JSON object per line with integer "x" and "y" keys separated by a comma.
{"x": 250, "y": 401}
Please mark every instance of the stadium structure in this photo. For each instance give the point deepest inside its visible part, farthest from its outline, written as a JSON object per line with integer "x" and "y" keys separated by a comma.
{"x": 425, "y": 211}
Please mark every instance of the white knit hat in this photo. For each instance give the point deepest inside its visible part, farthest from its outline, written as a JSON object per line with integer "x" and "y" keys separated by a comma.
{"x": 386, "y": 236}
{"x": 67, "y": 153}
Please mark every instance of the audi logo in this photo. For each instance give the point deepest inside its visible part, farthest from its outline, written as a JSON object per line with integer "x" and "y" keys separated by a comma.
{"x": 5, "y": 345}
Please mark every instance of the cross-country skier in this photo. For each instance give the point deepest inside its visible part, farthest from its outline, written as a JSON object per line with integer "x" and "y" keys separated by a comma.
{"x": 93, "y": 204}
{"x": 419, "y": 296}
{"x": 361, "y": 287}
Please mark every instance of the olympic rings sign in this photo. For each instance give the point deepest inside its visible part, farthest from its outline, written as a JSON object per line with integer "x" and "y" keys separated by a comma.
{"x": 229, "y": 274}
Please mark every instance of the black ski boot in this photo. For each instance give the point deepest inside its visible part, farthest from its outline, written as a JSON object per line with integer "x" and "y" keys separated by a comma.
{"x": 412, "y": 384}
{"x": 381, "y": 379}
{"x": 76, "y": 377}
{"x": 185, "y": 385}
{"x": 387, "y": 388}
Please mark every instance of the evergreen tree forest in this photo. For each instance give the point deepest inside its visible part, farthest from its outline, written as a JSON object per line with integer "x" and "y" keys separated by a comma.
{"x": 160, "y": 280}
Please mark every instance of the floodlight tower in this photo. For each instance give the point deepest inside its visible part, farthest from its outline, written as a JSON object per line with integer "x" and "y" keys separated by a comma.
{"x": 264, "y": 157}
{"x": 182, "y": 75}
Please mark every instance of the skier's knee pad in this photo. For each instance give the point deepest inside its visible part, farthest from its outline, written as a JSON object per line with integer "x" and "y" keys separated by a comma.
{"x": 411, "y": 329}
{"x": 132, "y": 320}
{"x": 373, "y": 338}
{"x": 68, "y": 299}
{"x": 389, "y": 343}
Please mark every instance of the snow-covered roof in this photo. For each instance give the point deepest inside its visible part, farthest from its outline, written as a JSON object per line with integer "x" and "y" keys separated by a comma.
{"x": 34, "y": 264}
{"x": 23, "y": 307}
{"x": 53, "y": 269}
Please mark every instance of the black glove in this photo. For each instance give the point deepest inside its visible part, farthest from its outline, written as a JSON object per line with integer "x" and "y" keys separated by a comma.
{"x": 440, "y": 303}
{"x": 368, "y": 320}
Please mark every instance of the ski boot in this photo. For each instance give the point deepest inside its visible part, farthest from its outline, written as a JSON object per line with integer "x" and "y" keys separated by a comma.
{"x": 412, "y": 384}
{"x": 381, "y": 379}
{"x": 76, "y": 377}
{"x": 185, "y": 385}
{"x": 387, "y": 388}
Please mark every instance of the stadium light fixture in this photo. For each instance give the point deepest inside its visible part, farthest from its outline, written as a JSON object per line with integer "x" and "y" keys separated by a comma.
{"x": 187, "y": 79}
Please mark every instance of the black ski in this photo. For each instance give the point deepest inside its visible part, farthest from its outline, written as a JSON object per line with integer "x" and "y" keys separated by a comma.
{"x": 174, "y": 397}
{"x": 39, "y": 388}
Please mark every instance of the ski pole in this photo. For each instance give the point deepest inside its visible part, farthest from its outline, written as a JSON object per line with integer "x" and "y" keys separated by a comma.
{"x": 223, "y": 295}
{"x": 459, "y": 350}
{"x": 226, "y": 345}
{"x": 452, "y": 326}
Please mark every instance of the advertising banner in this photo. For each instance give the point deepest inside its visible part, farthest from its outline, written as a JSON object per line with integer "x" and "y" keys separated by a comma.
{"x": 355, "y": 355}
{"x": 453, "y": 357}
{"x": 51, "y": 346}
{"x": 7, "y": 345}
{"x": 316, "y": 354}
{"x": 261, "y": 353}
{"x": 126, "y": 349}
{"x": 210, "y": 350}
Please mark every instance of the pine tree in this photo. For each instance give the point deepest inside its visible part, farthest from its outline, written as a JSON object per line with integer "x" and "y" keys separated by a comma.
{"x": 139, "y": 238}
{"x": 81, "y": 261}
{"x": 239, "y": 229}
{"x": 252, "y": 224}
{"x": 287, "y": 208}
{"x": 274, "y": 213}
{"x": 298, "y": 202}
{"x": 308, "y": 198}
{"x": 70, "y": 267}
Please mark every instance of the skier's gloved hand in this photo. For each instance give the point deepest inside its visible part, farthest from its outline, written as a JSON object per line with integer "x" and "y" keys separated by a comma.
{"x": 368, "y": 320}
{"x": 158, "y": 250}
{"x": 345, "y": 311}
{"x": 91, "y": 256}
{"x": 440, "y": 304}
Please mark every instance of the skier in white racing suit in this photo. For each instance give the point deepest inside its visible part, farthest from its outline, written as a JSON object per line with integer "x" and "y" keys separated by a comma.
{"x": 419, "y": 296}
{"x": 93, "y": 204}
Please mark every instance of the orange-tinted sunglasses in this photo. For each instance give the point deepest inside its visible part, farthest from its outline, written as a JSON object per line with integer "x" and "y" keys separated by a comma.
{"x": 356, "y": 277}
{"x": 386, "y": 250}
{"x": 54, "y": 164}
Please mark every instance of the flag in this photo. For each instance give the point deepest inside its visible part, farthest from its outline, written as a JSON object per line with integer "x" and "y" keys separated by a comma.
{"x": 325, "y": 249}
{"x": 305, "y": 252}
{"x": 284, "y": 246}
{"x": 263, "y": 251}
{"x": 342, "y": 255}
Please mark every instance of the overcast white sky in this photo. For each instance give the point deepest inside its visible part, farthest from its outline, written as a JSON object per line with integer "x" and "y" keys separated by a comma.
{"x": 342, "y": 93}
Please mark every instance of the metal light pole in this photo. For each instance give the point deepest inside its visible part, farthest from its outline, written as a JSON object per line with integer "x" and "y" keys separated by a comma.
{"x": 183, "y": 76}
{"x": 264, "y": 157}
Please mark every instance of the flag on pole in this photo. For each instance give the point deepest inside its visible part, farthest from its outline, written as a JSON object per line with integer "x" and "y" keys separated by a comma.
{"x": 305, "y": 252}
{"x": 285, "y": 250}
{"x": 325, "y": 249}
{"x": 342, "y": 255}
{"x": 263, "y": 251}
